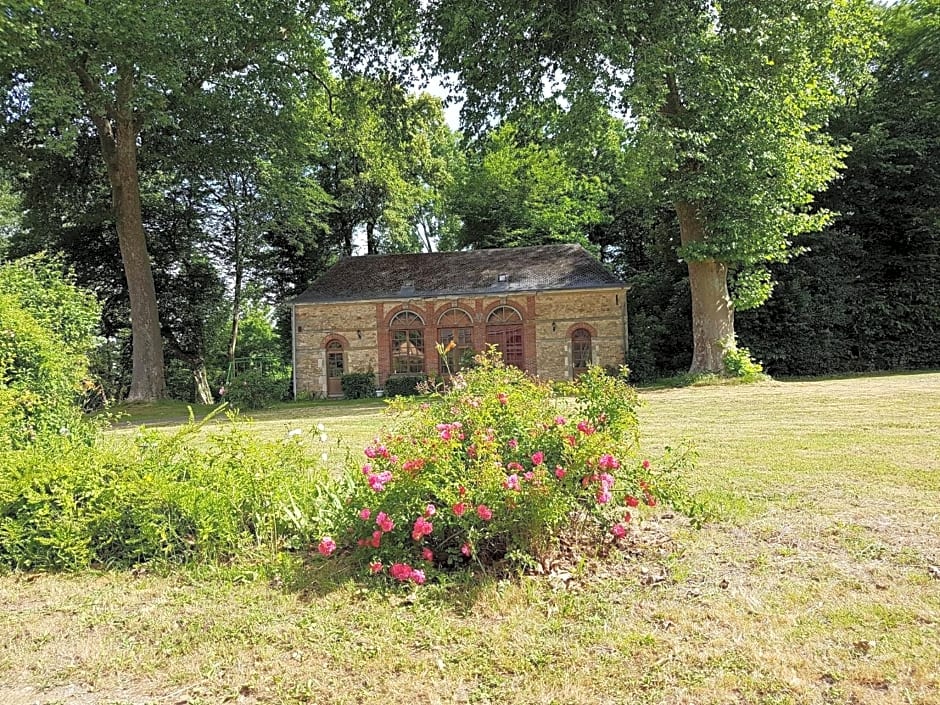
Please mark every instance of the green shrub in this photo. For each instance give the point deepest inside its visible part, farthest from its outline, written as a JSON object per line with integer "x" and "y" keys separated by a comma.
{"x": 496, "y": 468}
{"x": 171, "y": 498}
{"x": 358, "y": 385}
{"x": 46, "y": 329}
{"x": 256, "y": 390}
{"x": 402, "y": 386}
{"x": 738, "y": 363}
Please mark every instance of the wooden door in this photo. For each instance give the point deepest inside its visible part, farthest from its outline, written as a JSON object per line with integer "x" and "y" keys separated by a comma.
{"x": 335, "y": 369}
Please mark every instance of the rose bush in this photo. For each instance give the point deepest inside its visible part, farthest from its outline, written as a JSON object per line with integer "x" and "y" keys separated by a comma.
{"x": 494, "y": 467}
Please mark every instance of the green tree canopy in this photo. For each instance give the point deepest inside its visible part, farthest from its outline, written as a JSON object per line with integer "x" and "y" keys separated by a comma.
{"x": 724, "y": 102}
{"x": 120, "y": 70}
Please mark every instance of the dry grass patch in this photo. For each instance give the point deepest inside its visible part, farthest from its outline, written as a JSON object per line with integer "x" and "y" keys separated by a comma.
{"x": 816, "y": 589}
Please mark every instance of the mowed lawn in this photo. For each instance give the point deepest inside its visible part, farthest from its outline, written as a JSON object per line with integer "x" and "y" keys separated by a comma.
{"x": 821, "y": 584}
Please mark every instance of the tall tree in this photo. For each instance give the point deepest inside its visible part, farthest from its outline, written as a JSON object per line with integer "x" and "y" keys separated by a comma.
{"x": 724, "y": 100}
{"x": 121, "y": 69}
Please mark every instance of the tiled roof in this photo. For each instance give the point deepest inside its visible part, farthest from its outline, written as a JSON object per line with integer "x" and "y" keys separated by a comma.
{"x": 512, "y": 270}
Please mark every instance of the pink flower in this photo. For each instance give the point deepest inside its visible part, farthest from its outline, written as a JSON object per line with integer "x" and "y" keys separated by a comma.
{"x": 608, "y": 462}
{"x": 603, "y": 496}
{"x": 632, "y": 501}
{"x": 503, "y": 399}
{"x": 650, "y": 500}
{"x": 514, "y": 466}
{"x": 461, "y": 490}
{"x": 327, "y": 546}
{"x": 421, "y": 529}
{"x": 571, "y": 440}
{"x": 427, "y": 554}
{"x": 560, "y": 472}
{"x": 484, "y": 512}
{"x": 585, "y": 428}
{"x": 513, "y": 443}
{"x": 511, "y": 482}
{"x": 627, "y": 517}
{"x": 367, "y": 469}
{"x": 606, "y": 480}
{"x": 384, "y": 522}
{"x": 646, "y": 464}
{"x": 400, "y": 571}
{"x": 430, "y": 510}
{"x": 375, "y": 567}
{"x": 618, "y": 530}
{"x": 466, "y": 550}
{"x": 560, "y": 420}
{"x": 528, "y": 475}
{"x": 403, "y": 572}
{"x": 370, "y": 452}
{"x": 377, "y": 481}
{"x": 412, "y": 466}
{"x": 365, "y": 513}
{"x": 445, "y": 434}
{"x": 459, "y": 508}
{"x": 376, "y": 539}
{"x": 538, "y": 458}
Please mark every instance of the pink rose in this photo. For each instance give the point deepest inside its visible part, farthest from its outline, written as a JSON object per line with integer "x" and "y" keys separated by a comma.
{"x": 459, "y": 508}
{"x": 538, "y": 458}
{"x": 421, "y": 529}
{"x": 327, "y": 546}
{"x": 618, "y": 530}
{"x": 384, "y": 522}
{"x": 365, "y": 513}
{"x": 484, "y": 512}
{"x": 375, "y": 567}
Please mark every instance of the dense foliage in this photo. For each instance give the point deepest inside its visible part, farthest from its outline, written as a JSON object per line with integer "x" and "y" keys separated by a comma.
{"x": 495, "y": 469}
{"x": 47, "y": 328}
{"x": 169, "y": 498}
{"x": 358, "y": 385}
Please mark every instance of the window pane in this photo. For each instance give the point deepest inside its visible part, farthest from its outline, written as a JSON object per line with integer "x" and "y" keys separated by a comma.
{"x": 407, "y": 352}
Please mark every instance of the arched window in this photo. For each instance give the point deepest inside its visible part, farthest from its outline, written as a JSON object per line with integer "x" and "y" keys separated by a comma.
{"x": 504, "y": 330}
{"x": 581, "y": 355}
{"x": 335, "y": 368}
{"x": 455, "y": 325}
{"x": 407, "y": 339}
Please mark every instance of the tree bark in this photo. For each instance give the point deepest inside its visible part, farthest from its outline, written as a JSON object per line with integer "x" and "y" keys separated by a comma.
{"x": 370, "y": 238}
{"x": 237, "y": 286}
{"x": 117, "y": 134}
{"x": 712, "y": 311}
{"x": 201, "y": 381}
{"x": 148, "y": 379}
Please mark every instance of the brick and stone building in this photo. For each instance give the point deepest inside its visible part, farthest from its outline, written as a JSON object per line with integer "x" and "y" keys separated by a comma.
{"x": 551, "y": 310}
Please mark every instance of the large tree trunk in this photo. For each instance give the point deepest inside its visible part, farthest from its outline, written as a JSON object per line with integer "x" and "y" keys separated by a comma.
{"x": 370, "y": 238}
{"x": 237, "y": 293}
{"x": 119, "y": 146}
{"x": 201, "y": 381}
{"x": 712, "y": 312}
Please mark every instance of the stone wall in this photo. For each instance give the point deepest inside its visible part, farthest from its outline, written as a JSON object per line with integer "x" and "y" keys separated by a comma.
{"x": 549, "y": 318}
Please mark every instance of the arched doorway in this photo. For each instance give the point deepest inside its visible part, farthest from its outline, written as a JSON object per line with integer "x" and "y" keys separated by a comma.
{"x": 581, "y": 352}
{"x": 335, "y": 368}
{"x": 504, "y": 330}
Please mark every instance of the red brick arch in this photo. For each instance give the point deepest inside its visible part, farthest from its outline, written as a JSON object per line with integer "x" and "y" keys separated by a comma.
{"x": 518, "y": 306}
{"x": 417, "y": 310}
{"x": 327, "y": 339}
{"x": 586, "y": 326}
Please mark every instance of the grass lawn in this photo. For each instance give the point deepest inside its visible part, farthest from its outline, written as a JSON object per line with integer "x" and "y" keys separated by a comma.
{"x": 820, "y": 585}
